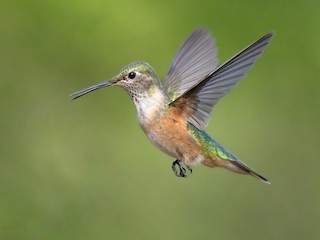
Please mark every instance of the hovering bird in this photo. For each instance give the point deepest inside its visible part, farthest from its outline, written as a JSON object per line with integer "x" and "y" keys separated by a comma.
{"x": 174, "y": 113}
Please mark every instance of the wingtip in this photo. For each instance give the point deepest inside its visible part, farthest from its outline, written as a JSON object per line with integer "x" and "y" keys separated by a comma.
{"x": 269, "y": 34}
{"x": 267, "y": 37}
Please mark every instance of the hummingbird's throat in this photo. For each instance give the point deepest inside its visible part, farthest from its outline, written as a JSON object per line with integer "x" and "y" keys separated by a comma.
{"x": 150, "y": 104}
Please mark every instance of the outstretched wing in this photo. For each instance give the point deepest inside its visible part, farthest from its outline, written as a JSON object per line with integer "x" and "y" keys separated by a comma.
{"x": 200, "y": 99}
{"x": 195, "y": 60}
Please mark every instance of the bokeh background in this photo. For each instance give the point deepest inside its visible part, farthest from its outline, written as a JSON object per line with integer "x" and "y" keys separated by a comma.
{"x": 84, "y": 169}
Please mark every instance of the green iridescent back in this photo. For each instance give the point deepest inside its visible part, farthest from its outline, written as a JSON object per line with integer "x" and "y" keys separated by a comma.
{"x": 209, "y": 145}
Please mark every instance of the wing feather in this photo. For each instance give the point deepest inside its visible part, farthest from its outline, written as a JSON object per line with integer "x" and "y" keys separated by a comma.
{"x": 202, "y": 96}
{"x": 196, "y": 58}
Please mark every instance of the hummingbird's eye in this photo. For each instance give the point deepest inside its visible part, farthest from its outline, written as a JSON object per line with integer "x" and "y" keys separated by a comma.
{"x": 132, "y": 75}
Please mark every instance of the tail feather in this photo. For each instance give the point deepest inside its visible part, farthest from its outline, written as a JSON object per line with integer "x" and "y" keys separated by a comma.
{"x": 219, "y": 156}
{"x": 250, "y": 171}
{"x": 231, "y": 162}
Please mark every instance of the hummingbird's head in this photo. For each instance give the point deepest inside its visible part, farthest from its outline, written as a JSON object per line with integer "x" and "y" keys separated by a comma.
{"x": 138, "y": 78}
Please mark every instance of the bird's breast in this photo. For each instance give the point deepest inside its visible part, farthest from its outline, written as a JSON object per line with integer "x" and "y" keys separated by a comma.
{"x": 169, "y": 133}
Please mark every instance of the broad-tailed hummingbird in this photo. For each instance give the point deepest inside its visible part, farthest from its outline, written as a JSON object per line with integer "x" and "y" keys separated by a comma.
{"x": 174, "y": 113}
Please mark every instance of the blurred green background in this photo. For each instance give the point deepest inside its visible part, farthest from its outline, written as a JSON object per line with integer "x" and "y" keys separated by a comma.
{"x": 84, "y": 169}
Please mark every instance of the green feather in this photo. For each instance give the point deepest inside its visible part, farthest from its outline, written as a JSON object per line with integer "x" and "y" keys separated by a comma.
{"x": 210, "y": 146}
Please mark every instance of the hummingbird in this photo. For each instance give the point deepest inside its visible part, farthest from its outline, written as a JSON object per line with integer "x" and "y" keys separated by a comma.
{"x": 174, "y": 113}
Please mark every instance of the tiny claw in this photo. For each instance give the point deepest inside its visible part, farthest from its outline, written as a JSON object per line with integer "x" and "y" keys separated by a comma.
{"x": 189, "y": 168}
{"x": 181, "y": 165}
{"x": 175, "y": 169}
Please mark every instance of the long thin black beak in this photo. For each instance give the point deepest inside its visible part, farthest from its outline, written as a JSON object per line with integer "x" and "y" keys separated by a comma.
{"x": 82, "y": 92}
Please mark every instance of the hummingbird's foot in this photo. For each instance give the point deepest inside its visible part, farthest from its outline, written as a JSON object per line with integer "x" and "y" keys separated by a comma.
{"x": 182, "y": 171}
